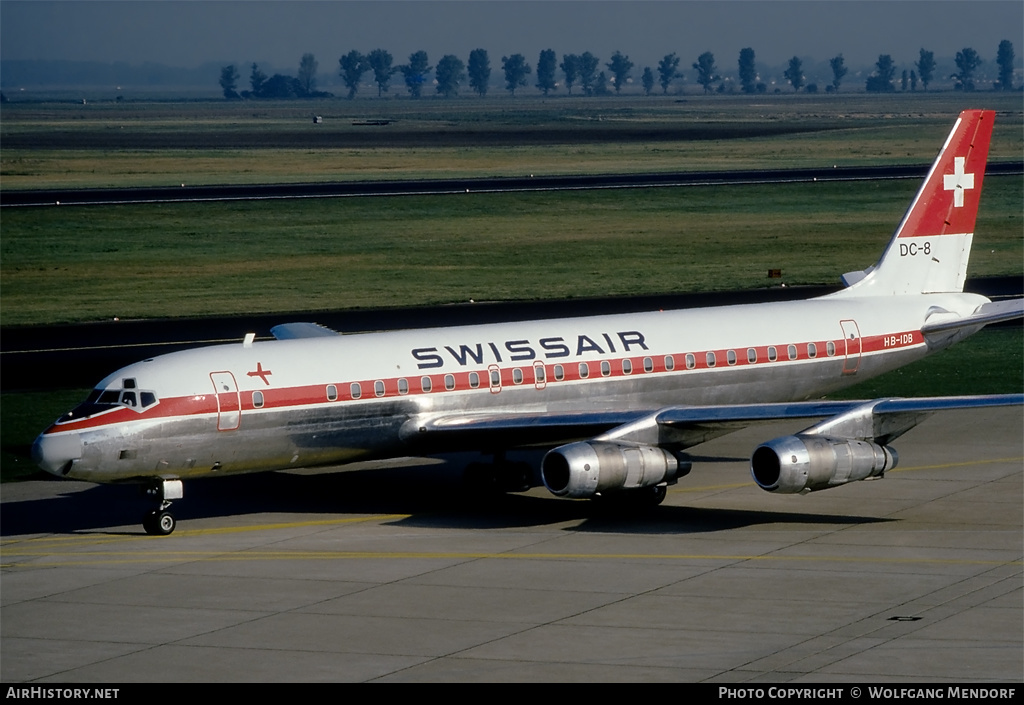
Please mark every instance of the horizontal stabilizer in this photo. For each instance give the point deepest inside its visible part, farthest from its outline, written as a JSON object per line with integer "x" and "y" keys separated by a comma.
{"x": 992, "y": 312}
{"x": 291, "y": 331}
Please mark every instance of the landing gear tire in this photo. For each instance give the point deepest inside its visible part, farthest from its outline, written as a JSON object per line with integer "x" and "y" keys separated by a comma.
{"x": 497, "y": 478}
{"x": 159, "y": 523}
{"x": 480, "y": 480}
{"x": 656, "y": 495}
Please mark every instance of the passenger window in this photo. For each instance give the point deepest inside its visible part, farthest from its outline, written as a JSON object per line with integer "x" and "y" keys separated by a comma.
{"x": 257, "y": 400}
{"x": 403, "y": 385}
{"x": 710, "y": 358}
{"x": 378, "y": 388}
{"x": 812, "y": 350}
{"x": 691, "y": 361}
{"x": 730, "y": 357}
{"x": 627, "y": 367}
{"x": 559, "y": 373}
{"x": 425, "y": 384}
{"x": 830, "y": 348}
{"x": 517, "y": 376}
{"x": 751, "y": 355}
{"x": 355, "y": 390}
{"x": 474, "y": 380}
{"x": 648, "y": 365}
{"x": 584, "y": 370}
{"x": 773, "y": 354}
{"x": 791, "y": 351}
{"x": 449, "y": 382}
{"x": 495, "y": 377}
{"x": 539, "y": 375}
{"x": 606, "y": 368}
{"x": 332, "y": 392}
{"x": 670, "y": 363}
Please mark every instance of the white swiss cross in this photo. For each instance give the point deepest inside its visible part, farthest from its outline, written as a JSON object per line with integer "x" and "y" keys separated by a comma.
{"x": 958, "y": 181}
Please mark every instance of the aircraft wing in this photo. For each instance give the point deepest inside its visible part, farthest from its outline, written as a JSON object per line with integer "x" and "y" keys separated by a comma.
{"x": 880, "y": 420}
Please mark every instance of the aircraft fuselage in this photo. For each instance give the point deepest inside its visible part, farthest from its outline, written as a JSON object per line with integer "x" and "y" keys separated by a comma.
{"x": 294, "y": 403}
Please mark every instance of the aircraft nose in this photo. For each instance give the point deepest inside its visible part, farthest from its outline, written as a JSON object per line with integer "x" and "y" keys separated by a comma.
{"x": 56, "y": 452}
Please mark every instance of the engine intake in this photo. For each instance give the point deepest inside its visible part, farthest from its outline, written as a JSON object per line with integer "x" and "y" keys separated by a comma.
{"x": 802, "y": 463}
{"x": 584, "y": 469}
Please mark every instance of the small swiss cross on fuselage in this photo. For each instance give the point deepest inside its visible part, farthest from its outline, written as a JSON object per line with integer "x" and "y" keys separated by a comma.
{"x": 958, "y": 181}
{"x": 261, "y": 373}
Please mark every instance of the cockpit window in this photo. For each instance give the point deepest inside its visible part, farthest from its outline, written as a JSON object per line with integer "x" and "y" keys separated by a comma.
{"x": 103, "y": 400}
{"x": 111, "y": 396}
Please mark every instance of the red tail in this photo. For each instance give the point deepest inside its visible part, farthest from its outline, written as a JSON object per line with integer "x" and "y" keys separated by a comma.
{"x": 948, "y": 201}
{"x": 929, "y": 251}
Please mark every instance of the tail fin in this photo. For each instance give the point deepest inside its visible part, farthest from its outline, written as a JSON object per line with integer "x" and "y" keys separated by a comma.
{"x": 928, "y": 253}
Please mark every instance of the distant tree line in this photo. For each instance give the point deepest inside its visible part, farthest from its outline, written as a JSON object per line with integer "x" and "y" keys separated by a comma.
{"x": 277, "y": 86}
{"x": 583, "y": 72}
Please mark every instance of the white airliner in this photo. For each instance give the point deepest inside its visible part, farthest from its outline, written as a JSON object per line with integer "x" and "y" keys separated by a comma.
{"x": 624, "y": 394}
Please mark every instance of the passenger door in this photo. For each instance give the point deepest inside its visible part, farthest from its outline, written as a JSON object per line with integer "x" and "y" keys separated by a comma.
{"x": 229, "y": 406}
{"x": 852, "y": 348}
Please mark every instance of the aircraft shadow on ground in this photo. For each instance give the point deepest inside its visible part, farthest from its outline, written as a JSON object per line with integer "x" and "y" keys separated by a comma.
{"x": 433, "y": 496}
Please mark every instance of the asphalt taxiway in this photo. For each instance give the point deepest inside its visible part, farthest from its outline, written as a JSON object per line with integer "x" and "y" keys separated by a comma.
{"x": 395, "y": 575}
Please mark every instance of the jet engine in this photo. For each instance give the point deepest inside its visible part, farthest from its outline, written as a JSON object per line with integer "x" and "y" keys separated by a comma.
{"x": 804, "y": 463}
{"x": 585, "y": 469}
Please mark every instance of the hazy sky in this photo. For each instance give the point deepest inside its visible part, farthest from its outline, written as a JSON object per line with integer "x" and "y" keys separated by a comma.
{"x": 190, "y": 32}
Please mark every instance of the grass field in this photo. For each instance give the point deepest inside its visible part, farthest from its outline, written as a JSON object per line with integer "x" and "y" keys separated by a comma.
{"x": 66, "y": 145}
{"x": 88, "y": 263}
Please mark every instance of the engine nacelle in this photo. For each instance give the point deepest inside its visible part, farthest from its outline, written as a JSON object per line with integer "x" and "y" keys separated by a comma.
{"x": 584, "y": 469}
{"x": 802, "y": 463}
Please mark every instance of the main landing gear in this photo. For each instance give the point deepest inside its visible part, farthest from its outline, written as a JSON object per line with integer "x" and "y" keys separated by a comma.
{"x": 498, "y": 477}
{"x": 638, "y": 499}
{"x": 160, "y": 522}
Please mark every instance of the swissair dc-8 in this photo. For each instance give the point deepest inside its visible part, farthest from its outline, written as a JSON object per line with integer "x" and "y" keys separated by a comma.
{"x": 617, "y": 399}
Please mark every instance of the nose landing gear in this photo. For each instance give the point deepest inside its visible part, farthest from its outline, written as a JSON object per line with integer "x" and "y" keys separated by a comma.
{"x": 160, "y": 522}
